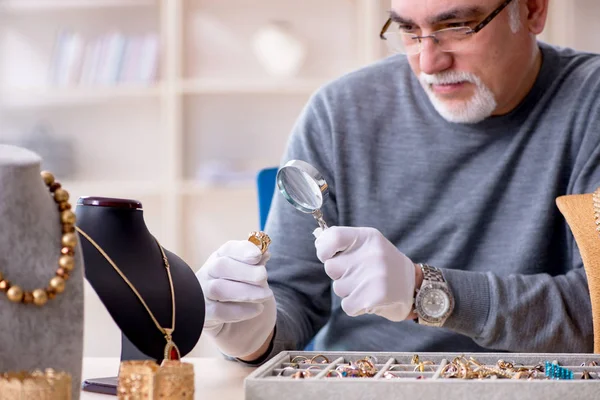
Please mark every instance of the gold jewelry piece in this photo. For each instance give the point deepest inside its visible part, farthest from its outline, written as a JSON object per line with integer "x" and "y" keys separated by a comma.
{"x": 175, "y": 381}
{"x": 366, "y": 367}
{"x": 586, "y": 375}
{"x": 171, "y": 351}
{"x": 334, "y": 373}
{"x": 324, "y": 360}
{"x": 47, "y": 385}
{"x": 261, "y": 240}
{"x": 282, "y": 372}
{"x": 596, "y": 203}
{"x": 420, "y": 365}
{"x": 172, "y": 380}
{"x": 350, "y": 370}
{"x": 302, "y": 374}
{"x": 415, "y": 359}
{"x": 389, "y": 375}
{"x": 300, "y": 359}
{"x": 66, "y": 261}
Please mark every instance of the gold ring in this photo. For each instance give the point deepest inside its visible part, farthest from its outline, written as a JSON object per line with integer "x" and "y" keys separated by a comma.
{"x": 330, "y": 374}
{"x": 282, "y": 372}
{"x": 301, "y": 374}
{"x": 261, "y": 240}
{"x": 421, "y": 366}
{"x": 300, "y": 360}
{"x": 389, "y": 375}
{"x": 348, "y": 370}
{"x": 325, "y": 359}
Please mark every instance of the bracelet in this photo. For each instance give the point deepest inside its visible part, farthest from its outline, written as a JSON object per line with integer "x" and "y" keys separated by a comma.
{"x": 48, "y": 384}
{"x": 172, "y": 380}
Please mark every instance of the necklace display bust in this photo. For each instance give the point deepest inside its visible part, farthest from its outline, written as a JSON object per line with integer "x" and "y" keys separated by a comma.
{"x": 36, "y": 336}
{"x": 117, "y": 226}
{"x": 578, "y": 210}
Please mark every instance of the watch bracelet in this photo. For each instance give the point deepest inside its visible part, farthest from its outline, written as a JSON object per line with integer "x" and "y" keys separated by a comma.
{"x": 430, "y": 273}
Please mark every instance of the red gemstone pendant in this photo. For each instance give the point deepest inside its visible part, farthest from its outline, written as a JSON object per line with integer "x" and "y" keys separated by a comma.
{"x": 174, "y": 354}
{"x": 171, "y": 352}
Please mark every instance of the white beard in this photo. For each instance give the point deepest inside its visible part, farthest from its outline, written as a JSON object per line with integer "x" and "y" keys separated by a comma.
{"x": 479, "y": 107}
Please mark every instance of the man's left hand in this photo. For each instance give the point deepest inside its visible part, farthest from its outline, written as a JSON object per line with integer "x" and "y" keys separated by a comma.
{"x": 369, "y": 273}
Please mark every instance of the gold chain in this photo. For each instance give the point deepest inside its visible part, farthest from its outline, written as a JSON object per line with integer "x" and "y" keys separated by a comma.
{"x": 596, "y": 201}
{"x": 164, "y": 331}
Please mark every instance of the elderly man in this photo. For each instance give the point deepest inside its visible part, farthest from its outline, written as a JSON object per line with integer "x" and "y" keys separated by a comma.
{"x": 443, "y": 163}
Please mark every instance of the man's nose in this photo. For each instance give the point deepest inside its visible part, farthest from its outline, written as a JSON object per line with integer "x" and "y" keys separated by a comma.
{"x": 432, "y": 59}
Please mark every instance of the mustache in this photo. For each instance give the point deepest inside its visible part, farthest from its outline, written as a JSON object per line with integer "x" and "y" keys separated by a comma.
{"x": 447, "y": 78}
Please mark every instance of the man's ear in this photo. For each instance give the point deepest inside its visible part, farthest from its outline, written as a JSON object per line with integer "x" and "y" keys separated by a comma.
{"x": 536, "y": 15}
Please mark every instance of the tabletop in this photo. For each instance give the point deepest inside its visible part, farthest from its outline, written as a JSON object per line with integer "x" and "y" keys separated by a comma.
{"x": 215, "y": 377}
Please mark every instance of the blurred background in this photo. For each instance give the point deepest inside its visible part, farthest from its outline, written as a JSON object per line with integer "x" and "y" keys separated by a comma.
{"x": 179, "y": 103}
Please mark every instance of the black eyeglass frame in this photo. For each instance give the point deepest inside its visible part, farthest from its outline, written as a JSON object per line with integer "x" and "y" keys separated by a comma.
{"x": 473, "y": 31}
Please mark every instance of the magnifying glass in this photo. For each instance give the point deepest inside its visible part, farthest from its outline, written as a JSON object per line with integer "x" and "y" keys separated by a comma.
{"x": 303, "y": 187}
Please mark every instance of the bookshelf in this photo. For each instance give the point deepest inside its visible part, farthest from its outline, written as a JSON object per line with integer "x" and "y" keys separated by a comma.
{"x": 188, "y": 142}
{"x": 178, "y": 134}
{"x": 20, "y": 6}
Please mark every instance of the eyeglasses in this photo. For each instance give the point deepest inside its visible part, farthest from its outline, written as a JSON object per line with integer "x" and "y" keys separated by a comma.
{"x": 448, "y": 39}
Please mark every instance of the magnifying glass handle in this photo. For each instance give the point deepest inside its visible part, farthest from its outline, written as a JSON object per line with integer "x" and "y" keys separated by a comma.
{"x": 319, "y": 217}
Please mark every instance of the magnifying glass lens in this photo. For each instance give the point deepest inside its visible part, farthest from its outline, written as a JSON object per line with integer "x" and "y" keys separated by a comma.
{"x": 300, "y": 189}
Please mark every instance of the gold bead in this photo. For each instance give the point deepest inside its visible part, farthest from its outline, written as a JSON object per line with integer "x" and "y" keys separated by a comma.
{"x": 58, "y": 284}
{"x": 66, "y": 228}
{"x": 61, "y": 195}
{"x": 15, "y": 294}
{"x": 66, "y": 262}
{"x": 69, "y": 240}
{"x": 47, "y": 177}
{"x": 67, "y": 217}
{"x": 40, "y": 297}
{"x": 27, "y": 298}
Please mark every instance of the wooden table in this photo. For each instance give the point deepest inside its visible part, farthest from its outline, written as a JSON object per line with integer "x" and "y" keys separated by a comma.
{"x": 216, "y": 378}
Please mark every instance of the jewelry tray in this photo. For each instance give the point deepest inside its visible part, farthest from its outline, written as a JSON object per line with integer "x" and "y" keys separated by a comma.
{"x": 271, "y": 382}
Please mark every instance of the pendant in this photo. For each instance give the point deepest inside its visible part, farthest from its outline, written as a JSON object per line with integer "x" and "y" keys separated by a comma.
{"x": 171, "y": 352}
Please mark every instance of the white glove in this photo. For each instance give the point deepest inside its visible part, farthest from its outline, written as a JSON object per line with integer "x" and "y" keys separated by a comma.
{"x": 370, "y": 274}
{"x": 240, "y": 306}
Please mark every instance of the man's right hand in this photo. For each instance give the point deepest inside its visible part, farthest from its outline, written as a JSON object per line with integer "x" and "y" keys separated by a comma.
{"x": 240, "y": 306}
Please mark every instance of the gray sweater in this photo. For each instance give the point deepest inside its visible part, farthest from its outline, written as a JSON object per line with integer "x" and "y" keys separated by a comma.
{"x": 476, "y": 200}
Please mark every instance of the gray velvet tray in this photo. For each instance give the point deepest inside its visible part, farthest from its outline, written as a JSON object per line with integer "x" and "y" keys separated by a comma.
{"x": 397, "y": 378}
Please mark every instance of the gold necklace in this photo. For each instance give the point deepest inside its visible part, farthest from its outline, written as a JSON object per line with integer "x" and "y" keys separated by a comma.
{"x": 596, "y": 201}
{"x": 66, "y": 261}
{"x": 171, "y": 351}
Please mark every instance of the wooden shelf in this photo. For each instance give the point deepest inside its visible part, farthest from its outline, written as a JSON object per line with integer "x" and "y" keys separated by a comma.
{"x": 195, "y": 188}
{"x": 234, "y": 86}
{"x": 121, "y": 189}
{"x": 57, "y": 5}
{"x": 50, "y": 97}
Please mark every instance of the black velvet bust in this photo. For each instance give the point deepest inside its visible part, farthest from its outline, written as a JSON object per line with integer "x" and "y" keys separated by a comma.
{"x": 118, "y": 227}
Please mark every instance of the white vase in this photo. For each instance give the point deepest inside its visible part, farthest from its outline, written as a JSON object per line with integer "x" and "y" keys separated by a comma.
{"x": 278, "y": 50}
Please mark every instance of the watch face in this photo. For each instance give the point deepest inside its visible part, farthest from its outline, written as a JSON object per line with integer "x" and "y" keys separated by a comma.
{"x": 435, "y": 303}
